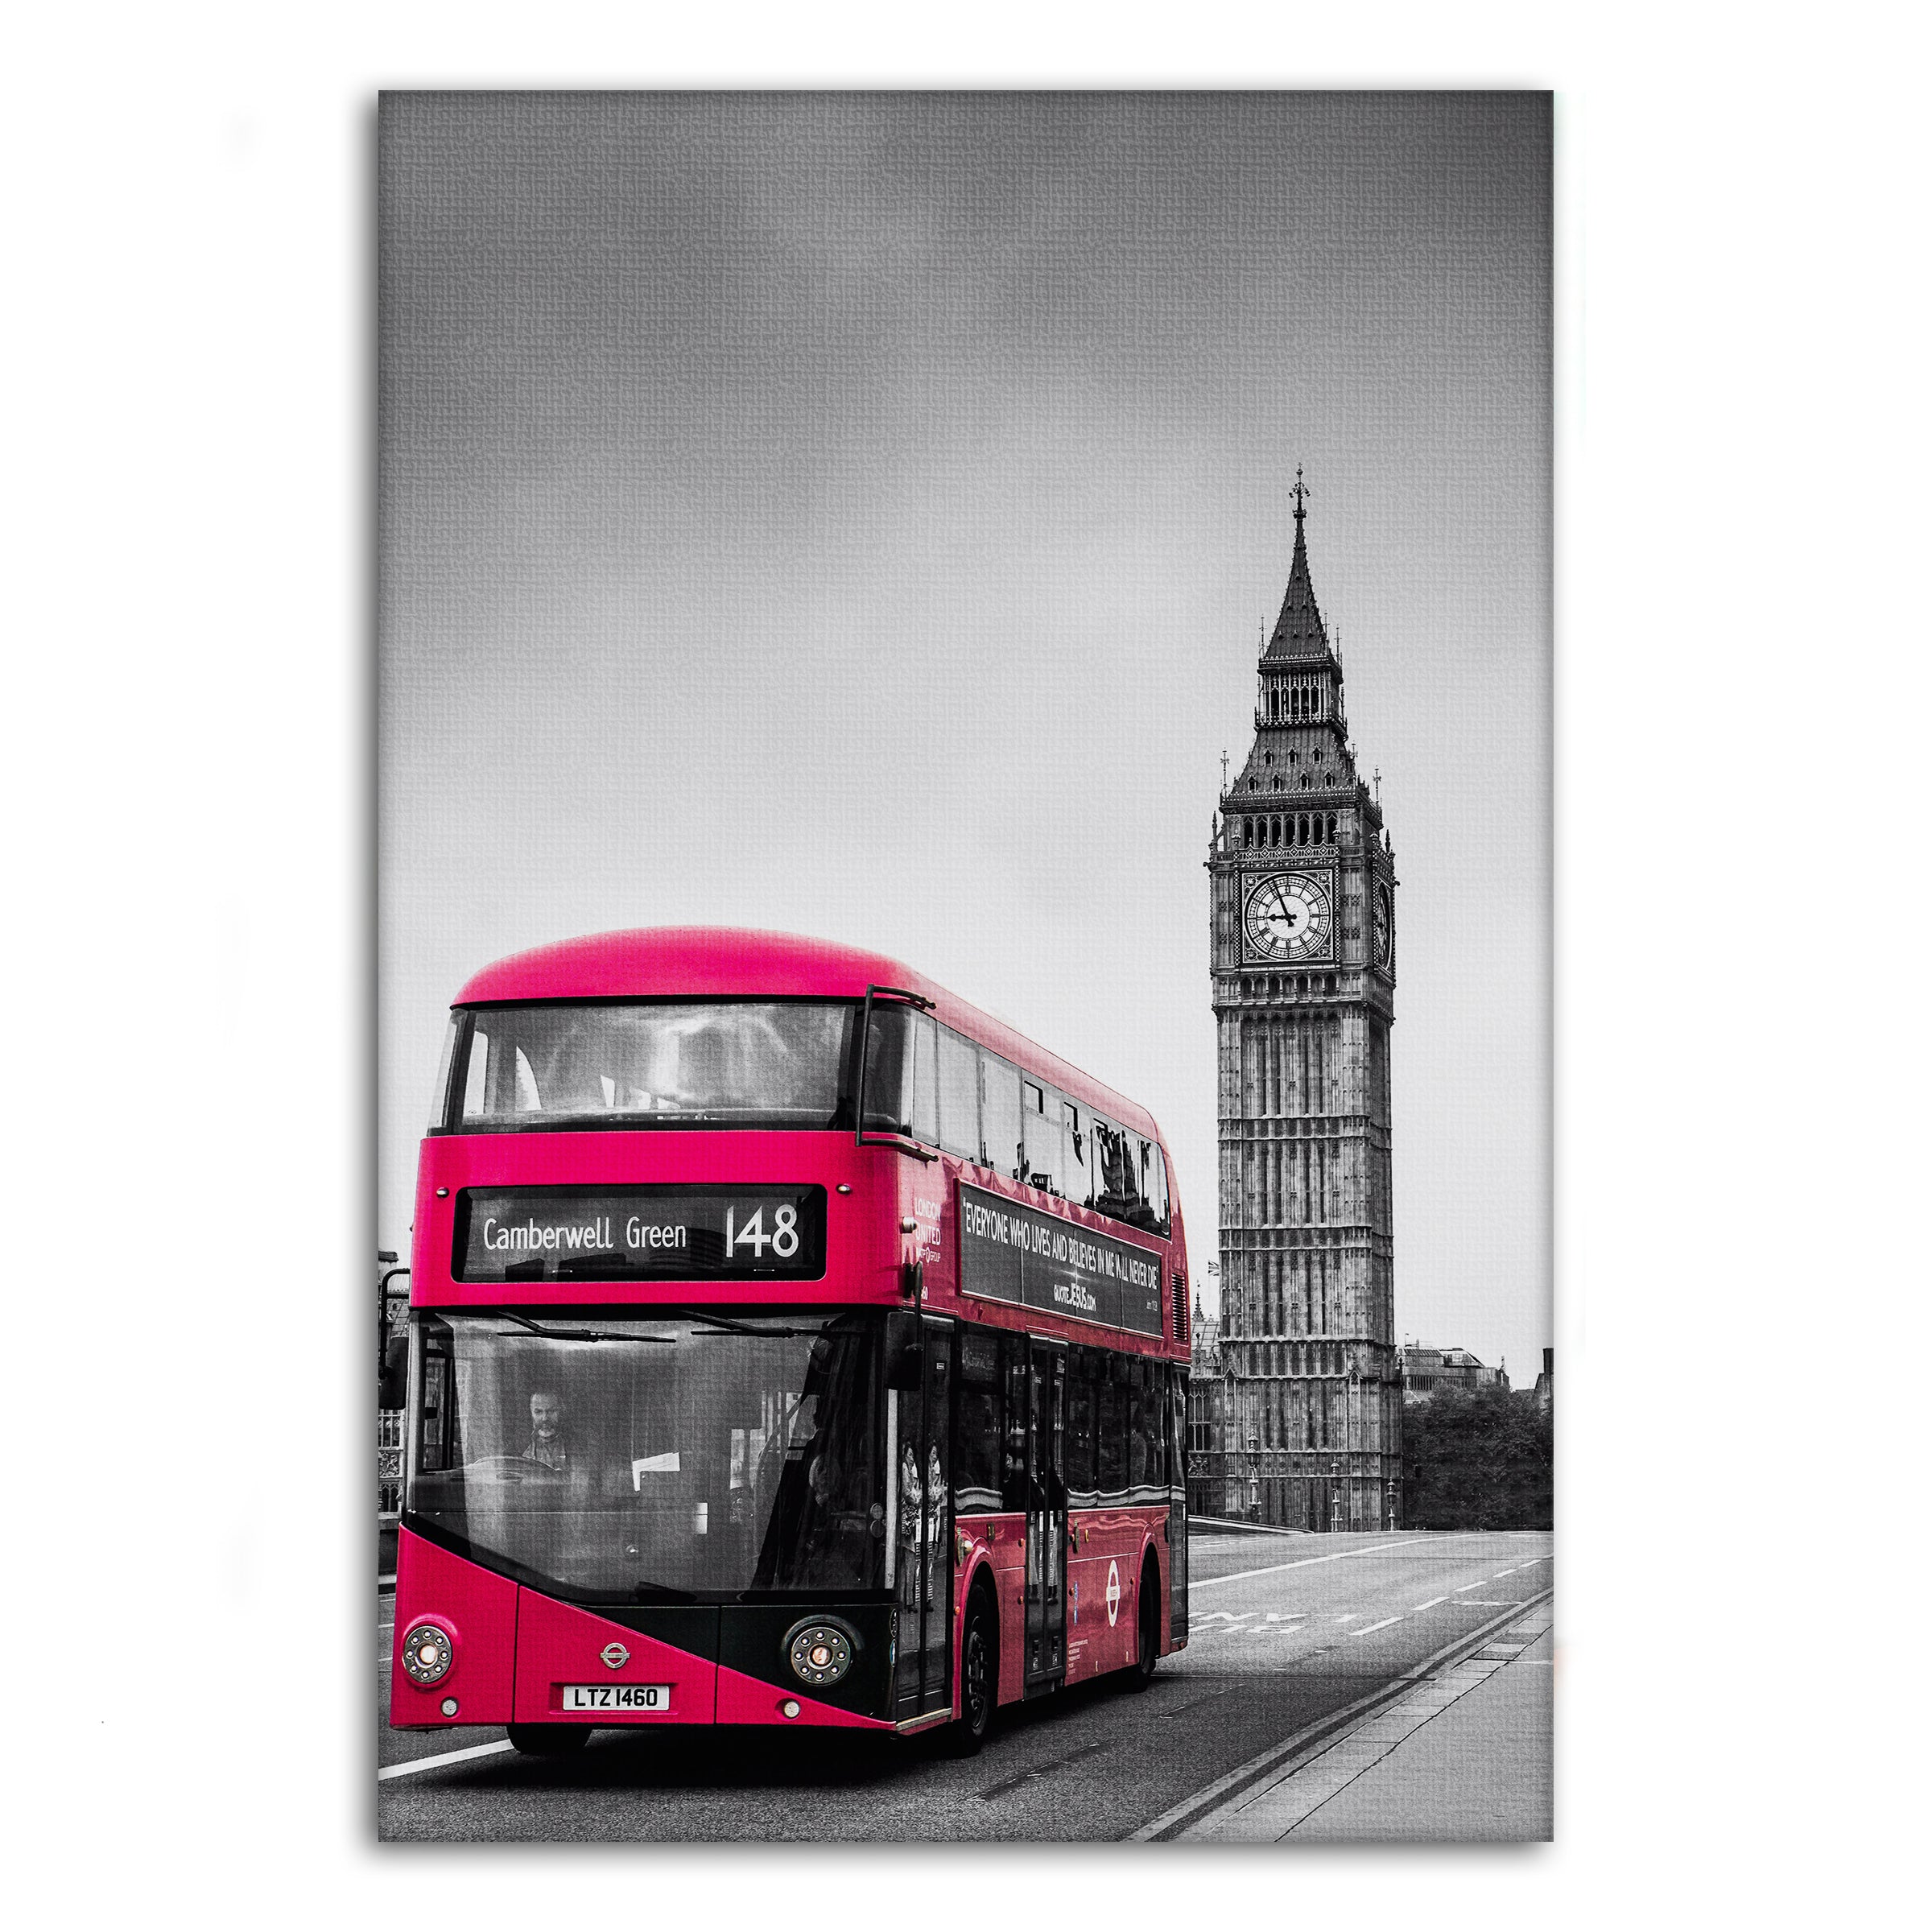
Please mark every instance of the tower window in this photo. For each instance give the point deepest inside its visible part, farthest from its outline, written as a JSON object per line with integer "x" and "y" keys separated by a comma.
{"x": 1247, "y": 831}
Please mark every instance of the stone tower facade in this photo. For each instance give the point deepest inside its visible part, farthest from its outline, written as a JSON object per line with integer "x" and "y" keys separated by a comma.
{"x": 1304, "y": 953}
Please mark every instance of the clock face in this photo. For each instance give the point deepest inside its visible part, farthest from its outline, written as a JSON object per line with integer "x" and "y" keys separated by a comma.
{"x": 1287, "y": 917}
{"x": 1384, "y": 925}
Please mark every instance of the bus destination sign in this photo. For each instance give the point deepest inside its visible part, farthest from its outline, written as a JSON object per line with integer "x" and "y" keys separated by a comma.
{"x": 1011, "y": 1253}
{"x": 639, "y": 1234}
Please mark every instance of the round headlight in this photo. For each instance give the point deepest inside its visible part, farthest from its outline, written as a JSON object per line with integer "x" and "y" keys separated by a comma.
{"x": 427, "y": 1654}
{"x": 820, "y": 1653}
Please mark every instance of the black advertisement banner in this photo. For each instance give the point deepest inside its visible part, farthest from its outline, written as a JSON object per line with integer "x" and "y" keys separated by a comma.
{"x": 1011, "y": 1253}
{"x": 639, "y": 1234}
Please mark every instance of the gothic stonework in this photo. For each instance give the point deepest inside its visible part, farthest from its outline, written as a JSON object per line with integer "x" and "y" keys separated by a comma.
{"x": 1304, "y": 953}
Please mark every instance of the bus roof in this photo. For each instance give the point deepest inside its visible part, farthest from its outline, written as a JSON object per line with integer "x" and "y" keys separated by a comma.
{"x": 725, "y": 962}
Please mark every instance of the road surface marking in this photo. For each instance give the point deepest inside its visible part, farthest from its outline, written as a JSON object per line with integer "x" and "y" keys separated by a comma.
{"x": 1223, "y": 1617}
{"x": 1477, "y": 1585}
{"x": 1383, "y": 1625}
{"x": 445, "y": 1758}
{"x": 1490, "y": 1603}
{"x": 1287, "y": 1617}
{"x": 1026, "y": 1778}
{"x": 1429, "y": 1605}
{"x": 1201, "y": 1583}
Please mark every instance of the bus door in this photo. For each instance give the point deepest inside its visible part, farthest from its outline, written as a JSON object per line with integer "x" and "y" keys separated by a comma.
{"x": 1045, "y": 1514}
{"x": 919, "y": 1433}
{"x": 1177, "y": 1504}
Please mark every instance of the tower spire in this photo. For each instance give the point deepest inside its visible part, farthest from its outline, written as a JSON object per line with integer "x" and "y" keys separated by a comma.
{"x": 1299, "y": 632}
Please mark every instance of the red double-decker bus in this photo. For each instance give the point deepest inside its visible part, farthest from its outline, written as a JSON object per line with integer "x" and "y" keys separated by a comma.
{"x": 792, "y": 1343}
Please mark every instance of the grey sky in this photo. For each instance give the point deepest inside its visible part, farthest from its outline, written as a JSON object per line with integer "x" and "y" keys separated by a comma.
{"x": 857, "y": 514}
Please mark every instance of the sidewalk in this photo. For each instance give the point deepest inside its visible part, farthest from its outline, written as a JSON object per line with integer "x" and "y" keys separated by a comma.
{"x": 1464, "y": 1758}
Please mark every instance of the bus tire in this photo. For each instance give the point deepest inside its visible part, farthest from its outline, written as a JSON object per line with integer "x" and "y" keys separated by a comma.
{"x": 549, "y": 1740}
{"x": 979, "y": 1674}
{"x": 1147, "y": 1631}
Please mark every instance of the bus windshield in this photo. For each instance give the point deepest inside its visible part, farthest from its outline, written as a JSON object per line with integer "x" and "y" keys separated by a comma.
{"x": 660, "y": 1460}
{"x": 773, "y": 1063}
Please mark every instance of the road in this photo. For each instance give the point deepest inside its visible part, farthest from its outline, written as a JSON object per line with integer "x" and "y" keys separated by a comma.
{"x": 1287, "y": 1631}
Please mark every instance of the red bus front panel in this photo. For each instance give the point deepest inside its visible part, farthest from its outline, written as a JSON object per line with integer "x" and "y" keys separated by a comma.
{"x": 563, "y": 1651}
{"x": 477, "y": 1609}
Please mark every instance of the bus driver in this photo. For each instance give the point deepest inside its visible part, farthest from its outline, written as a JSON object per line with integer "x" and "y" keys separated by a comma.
{"x": 547, "y": 1442}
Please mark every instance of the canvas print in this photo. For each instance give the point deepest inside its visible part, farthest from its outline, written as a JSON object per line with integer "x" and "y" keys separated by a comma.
{"x": 963, "y": 758}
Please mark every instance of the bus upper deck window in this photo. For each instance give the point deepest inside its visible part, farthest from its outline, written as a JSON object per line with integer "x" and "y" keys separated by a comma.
{"x": 1000, "y": 1109}
{"x": 1041, "y": 1135}
{"x": 439, "y": 1112}
{"x": 1077, "y": 1186}
{"x": 959, "y": 1096}
{"x": 1153, "y": 1186}
{"x": 902, "y": 1074}
{"x": 475, "y": 1085}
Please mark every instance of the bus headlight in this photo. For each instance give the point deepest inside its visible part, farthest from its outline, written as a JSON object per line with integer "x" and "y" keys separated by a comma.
{"x": 820, "y": 1653}
{"x": 427, "y": 1654}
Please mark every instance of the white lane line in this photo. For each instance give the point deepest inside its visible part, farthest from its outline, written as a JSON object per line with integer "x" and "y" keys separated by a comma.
{"x": 1429, "y": 1605}
{"x": 1201, "y": 1583}
{"x": 1383, "y": 1625}
{"x": 445, "y": 1758}
{"x": 1477, "y": 1585}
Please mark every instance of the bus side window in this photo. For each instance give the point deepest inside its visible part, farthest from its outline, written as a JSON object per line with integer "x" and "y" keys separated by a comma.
{"x": 1112, "y": 1428}
{"x": 1000, "y": 1109}
{"x": 476, "y": 1085}
{"x": 1143, "y": 1422}
{"x": 976, "y": 1489}
{"x": 1013, "y": 1452}
{"x": 1154, "y": 1187}
{"x": 1080, "y": 1474}
{"x": 922, "y": 1081}
{"x": 1115, "y": 1191}
{"x": 1040, "y": 1132}
{"x": 436, "y": 1403}
{"x": 959, "y": 1096}
{"x": 439, "y": 1117}
{"x": 1074, "y": 1141}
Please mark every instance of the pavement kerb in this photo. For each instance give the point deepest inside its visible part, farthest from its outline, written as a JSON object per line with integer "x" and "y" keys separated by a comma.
{"x": 1322, "y": 1731}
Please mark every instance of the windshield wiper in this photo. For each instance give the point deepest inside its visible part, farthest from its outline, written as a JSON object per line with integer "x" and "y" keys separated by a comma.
{"x": 723, "y": 1324}
{"x": 576, "y": 1335}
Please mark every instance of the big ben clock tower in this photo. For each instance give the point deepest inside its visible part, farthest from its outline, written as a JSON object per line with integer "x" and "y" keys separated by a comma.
{"x": 1304, "y": 952}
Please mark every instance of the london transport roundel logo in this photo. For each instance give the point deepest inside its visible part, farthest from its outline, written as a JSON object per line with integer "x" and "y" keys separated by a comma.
{"x": 1114, "y": 1594}
{"x": 615, "y": 1655}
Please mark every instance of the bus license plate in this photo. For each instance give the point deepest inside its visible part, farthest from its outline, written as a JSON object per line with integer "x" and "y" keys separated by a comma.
{"x": 617, "y": 1697}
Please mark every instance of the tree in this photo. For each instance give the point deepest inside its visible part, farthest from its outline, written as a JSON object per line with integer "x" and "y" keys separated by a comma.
{"x": 1477, "y": 1459}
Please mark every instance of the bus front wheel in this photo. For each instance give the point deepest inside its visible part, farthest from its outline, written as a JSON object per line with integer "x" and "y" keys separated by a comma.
{"x": 549, "y": 1740}
{"x": 979, "y": 1675}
